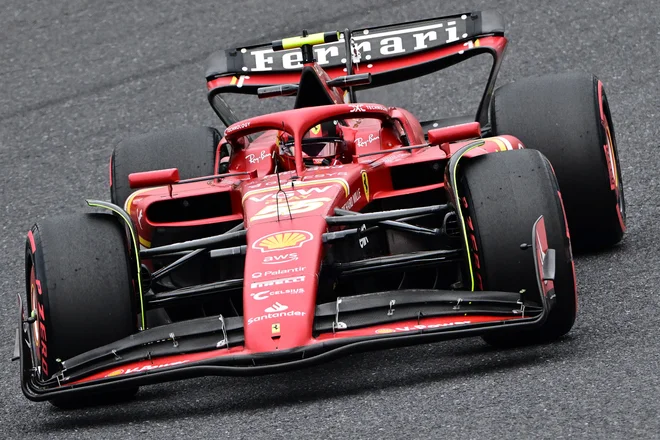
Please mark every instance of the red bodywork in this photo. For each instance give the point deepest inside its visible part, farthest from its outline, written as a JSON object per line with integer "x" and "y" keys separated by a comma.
{"x": 284, "y": 240}
{"x": 284, "y": 206}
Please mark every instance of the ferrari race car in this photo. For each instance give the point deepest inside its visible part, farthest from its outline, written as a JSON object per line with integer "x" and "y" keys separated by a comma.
{"x": 334, "y": 227}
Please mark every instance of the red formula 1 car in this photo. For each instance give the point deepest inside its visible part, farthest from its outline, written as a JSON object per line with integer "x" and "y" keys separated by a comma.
{"x": 334, "y": 227}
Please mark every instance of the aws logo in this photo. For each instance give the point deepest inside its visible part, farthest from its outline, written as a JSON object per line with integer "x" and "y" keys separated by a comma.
{"x": 282, "y": 240}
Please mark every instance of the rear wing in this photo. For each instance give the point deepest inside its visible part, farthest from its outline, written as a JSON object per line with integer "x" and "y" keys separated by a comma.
{"x": 391, "y": 53}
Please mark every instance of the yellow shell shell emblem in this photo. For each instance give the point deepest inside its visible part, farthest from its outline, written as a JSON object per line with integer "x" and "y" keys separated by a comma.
{"x": 115, "y": 373}
{"x": 283, "y": 240}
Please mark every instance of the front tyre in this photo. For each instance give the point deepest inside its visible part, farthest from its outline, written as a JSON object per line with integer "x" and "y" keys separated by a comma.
{"x": 79, "y": 289}
{"x": 503, "y": 194}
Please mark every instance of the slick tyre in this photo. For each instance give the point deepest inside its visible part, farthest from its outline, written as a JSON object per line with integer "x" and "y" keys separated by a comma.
{"x": 504, "y": 194}
{"x": 79, "y": 289}
{"x": 567, "y": 118}
{"x": 190, "y": 149}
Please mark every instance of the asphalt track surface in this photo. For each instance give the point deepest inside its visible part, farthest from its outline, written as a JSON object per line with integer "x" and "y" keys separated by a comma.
{"x": 76, "y": 76}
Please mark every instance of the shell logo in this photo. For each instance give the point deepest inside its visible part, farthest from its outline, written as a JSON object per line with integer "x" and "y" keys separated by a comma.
{"x": 382, "y": 331}
{"x": 282, "y": 240}
{"x": 115, "y": 373}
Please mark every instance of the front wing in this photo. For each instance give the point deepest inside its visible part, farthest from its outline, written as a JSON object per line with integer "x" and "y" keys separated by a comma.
{"x": 213, "y": 345}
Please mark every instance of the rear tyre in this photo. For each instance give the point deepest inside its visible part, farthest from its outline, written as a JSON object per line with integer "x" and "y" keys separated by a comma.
{"x": 504, "y": 194}
{"x": 567, "y": 118}
{"x": 190, "y": 149}
{"x": 79, "y": 288}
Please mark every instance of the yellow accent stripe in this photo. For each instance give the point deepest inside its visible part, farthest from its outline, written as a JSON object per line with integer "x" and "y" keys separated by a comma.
{"x": 129, "y": 200}
{"x": 506, "y": 142}
{"x": 499, "y": 143}
{"x": 137, "y": 259}
{"x": 144, "y": 242}
{"x": 459, "y": 211}
{"x": 313, "y": 39}
{"x": 342, "y": 182}
{"x": 233, "y": 81}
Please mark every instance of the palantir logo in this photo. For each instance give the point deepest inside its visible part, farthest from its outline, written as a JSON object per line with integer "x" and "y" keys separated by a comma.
{"x": 277, "y": 307}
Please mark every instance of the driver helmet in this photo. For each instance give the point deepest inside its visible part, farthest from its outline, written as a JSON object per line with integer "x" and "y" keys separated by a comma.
{"x": 322, "y": 145}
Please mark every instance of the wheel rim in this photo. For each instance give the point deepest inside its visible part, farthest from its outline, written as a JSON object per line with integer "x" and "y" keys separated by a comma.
{"x": 613, "y": 159}
{"x": 34, "y": 312}
{"x": 616, "y": 170}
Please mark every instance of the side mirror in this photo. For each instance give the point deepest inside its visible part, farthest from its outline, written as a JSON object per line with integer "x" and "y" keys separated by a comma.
{"x": 146, "y": 179}
{"x": 439, "y": 136}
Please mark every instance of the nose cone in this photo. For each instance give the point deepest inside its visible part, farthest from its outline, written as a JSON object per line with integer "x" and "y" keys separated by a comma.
{"x": 279, "y": 295}
{"x": 286, "y": 221}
